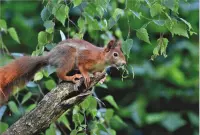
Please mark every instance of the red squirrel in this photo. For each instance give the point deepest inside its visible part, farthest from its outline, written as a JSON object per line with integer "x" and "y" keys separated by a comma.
{"x": 66, "y": 56}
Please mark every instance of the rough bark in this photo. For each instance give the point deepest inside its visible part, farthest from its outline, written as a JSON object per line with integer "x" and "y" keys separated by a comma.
{"x": 53, "y": 105}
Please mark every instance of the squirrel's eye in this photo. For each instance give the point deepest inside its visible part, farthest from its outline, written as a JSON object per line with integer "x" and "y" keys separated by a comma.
{"x": 115, "y": 54}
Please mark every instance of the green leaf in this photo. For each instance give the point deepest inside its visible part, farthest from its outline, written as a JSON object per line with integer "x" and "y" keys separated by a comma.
{"x": 194, "y": 118}
{"x": 119, "y": 120}
{"x": 61, "y": 11}
{"x": 26, "y": 97}
{"x": 95, "y": 25}
{"x": 13, "y": 107}
{"x": 81, "y": 24}
{"x": 78, "y": 36}
{"x": 92, "y": 23}
{"x": 90, "y": 105}
{"x": 38, "y": 76}
{"x": 91, "y": 9}
{"x": 118, "y": 33}
{"x": 115, "y": 17}
{"x": 133, "y": 4}
{"x": 160, "y": 49}
{"x": 49, "y": 24}
{"x": 111, "y": 100}
{"x": 51, "y": 5}
{"x": 82, "y": 134}
{"x": 143, "y": 35}
{"x": 45, "y": 37}
{"x": 187, "y": 23}
{"x": 3, "y": 127}
{"x": 177, "y": 28}
{"x": 13, "y": 34}
{"x": 109, "y": 114}
{"x": 180, "y": 29}
{"x": 65, "y": 121}
{"x": 85, "y": 104}
{"x": 117, "y": 14}
{"x": 42, "y": 38}
{"x": 111, "y": 22}
{"x": 77, "y": 119}
{"x": 103, "y": 24}
{"x": 111, "y": 131}
{"x": 49, "y": 35}
{"x": 154, "y": 117}
{"x": 117, "y": 123}
{"x": 77, "y": 2}
{"x": 50, "y": 84}
{"x": 93, "y": 112}
{"x": 172, "y": 4}
{"x": 138, "y": 109}
{"x": 136, "y": 14}
{"x": 102, "y": 3}
{"x": 192, "y": 32}
{"x": 76, "y": 109}
{"x": 156, "y": 9}
{"x": 45, "y": 14}
{"x": 100, "y": 11}
{"x": 132, "y": 71}
{"x": 93, "y": 102}
{"x": 3, "y": 24}
{"x": 126, "y": 46}
{"x": 30, "y": 107}
{"x": 163, "y": 42}
{"x": 51, "y": 130}
{"x": 159, "y": 22}
{"x": 156, "y": 50}
{"x": 102, "y": 127}
{"x": 74, "y": 132}
{"x": 172, "y": 122}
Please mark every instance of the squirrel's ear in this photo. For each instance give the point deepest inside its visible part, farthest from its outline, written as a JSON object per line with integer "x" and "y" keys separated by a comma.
{"x": 119, "y": 43}
{"x": 110, "y": 45}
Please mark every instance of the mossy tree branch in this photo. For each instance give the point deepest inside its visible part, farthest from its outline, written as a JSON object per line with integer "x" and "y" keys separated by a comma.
{"x": 51, "y": 107}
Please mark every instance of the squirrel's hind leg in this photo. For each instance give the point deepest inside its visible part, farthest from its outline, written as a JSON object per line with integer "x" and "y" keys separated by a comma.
{"x": 85, "y": 76}
{"x": 62, "y": 71}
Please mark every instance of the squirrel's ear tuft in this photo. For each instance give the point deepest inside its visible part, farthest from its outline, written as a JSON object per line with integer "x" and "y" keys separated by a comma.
{"x": 111, "y": 45}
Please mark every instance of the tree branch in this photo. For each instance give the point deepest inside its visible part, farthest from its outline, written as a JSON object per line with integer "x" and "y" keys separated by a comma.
{"x": 51, "y": 107}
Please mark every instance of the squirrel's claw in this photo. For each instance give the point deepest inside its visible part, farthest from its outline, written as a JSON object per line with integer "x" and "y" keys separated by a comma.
{"x": 87, "y": 82}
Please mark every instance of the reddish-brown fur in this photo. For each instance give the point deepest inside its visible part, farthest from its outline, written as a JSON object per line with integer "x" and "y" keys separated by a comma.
{"x": 67, "y": 55}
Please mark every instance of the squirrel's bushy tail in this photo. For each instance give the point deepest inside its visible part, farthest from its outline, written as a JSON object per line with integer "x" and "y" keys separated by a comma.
{"x": 18, "y": 73}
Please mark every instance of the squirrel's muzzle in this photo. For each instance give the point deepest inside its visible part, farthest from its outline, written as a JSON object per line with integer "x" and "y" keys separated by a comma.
{"x": 123, "y": 63}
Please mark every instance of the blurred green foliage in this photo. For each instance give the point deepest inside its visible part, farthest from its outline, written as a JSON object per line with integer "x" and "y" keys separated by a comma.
{"x": 162, "y": 98}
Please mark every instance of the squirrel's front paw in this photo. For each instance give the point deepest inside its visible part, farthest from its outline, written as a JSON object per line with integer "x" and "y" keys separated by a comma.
{"x": 76, "y": 78}
{"x": 102, "y": 80}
